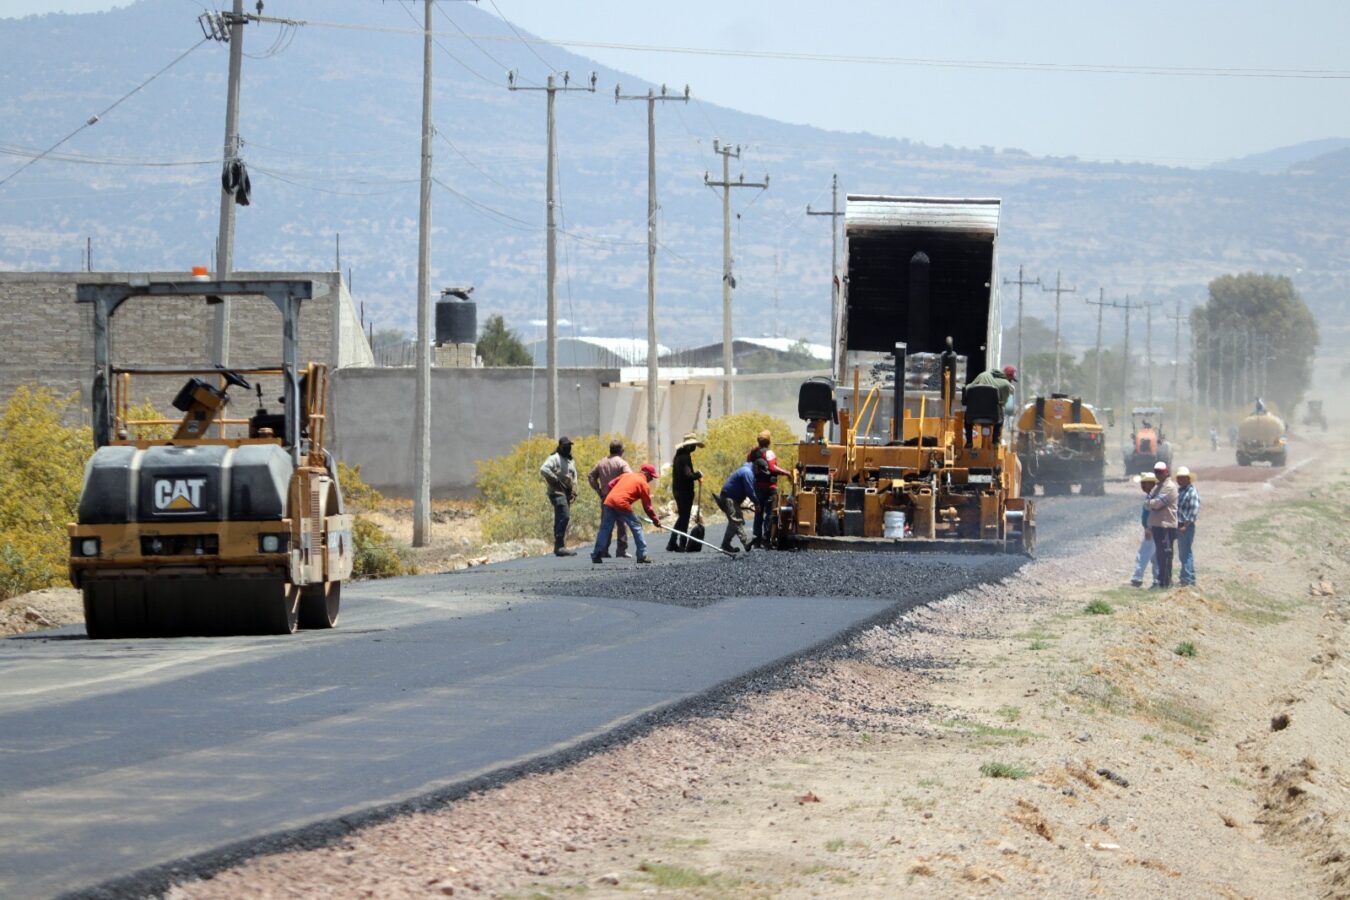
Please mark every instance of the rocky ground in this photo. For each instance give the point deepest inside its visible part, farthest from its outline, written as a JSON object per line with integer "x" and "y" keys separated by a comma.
{"x": 1059, "y": 734}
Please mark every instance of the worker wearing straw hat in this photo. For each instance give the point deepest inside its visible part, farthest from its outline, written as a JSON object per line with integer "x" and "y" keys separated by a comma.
{"x": 1148, "y": 551}
{"x": 1188, "y": 511}
{"x": 683, "y": 479}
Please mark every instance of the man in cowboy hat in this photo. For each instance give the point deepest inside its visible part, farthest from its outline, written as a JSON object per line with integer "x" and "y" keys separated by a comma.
{"x": 1162, "y": 519}
{"x": 1148, "y": 551}
{"x": 1188, "y": 511}
{"x": 600, "y": 477}
{"x": 618, "y": 506}
{"x": 683, "y": 478}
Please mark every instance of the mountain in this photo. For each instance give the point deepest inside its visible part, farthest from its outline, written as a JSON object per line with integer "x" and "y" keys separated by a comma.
{"x": 330, "y": 120}
{"x": 1281, "y": 159}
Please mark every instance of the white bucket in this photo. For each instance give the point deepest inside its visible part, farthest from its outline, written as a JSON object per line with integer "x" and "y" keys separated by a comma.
{"x": 893, "y": 523}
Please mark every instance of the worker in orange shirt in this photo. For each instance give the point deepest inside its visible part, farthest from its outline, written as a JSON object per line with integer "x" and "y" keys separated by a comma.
{"x": 624, "y": 491}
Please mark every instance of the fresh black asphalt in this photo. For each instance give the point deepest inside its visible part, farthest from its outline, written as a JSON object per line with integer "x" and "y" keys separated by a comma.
{"x": 120, "y": 758}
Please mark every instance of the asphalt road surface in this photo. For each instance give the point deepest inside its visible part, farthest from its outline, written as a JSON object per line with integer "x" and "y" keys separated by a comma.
{"x": 126, "y": 763}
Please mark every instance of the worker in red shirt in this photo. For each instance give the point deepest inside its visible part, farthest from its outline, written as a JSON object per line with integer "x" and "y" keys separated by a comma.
{"x": 767, "y": 471}
{"x": 624, "y": 491}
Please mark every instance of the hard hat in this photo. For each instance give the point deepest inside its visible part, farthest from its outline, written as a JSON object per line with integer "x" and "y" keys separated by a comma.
{"x": 1148, "y": 478}
{"x": 1160, "y": 467}
{"x": 1011, "y": 372}
{"x": 649, "y": 470}
{"x": 1183, "y": 472}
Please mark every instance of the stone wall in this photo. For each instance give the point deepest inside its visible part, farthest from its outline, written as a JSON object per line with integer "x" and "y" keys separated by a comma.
{"x": 46, "y": 338}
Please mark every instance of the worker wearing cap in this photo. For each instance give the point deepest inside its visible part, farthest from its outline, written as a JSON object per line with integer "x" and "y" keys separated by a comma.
{"x": 1005, "y": 380}
{"x": 624, "y": 491}
{"x": 600, "y": 477}
{"x": 1162, "y": 519}
{"x": 1148, "y": 552}
{"x": 739, "y": 487}
{"x": 767, "y": 470}
{"x": 560, "y": 478}
{"x": 1188, "y": 511}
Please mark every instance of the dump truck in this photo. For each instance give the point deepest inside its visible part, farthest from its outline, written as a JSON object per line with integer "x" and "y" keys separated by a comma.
{"x": 1061, "y": 443}
{"x": 899, "y": 453}
{"x": 211, "y": 523}
{"x": 1261, "y": 438}
{"x": 1148, "y": 444}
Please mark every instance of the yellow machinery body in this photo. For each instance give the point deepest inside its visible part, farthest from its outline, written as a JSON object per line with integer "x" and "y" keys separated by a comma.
{"x": 1261, "y": 438}
{"x": 1061, "y": 443}
{"x": 210, "y": 524}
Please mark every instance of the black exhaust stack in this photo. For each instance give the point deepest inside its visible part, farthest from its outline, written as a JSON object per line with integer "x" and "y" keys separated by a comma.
{"x": 898, "y": 404}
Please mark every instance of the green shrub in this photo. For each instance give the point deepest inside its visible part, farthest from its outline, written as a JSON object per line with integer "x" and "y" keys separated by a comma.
{"x": 514, "y": 502}
{"x": 41, "y": 473}
{"x": 1003, "y": 770}
{"x": 376, "y": 555}
{"x": 357, "y": 496}
{"x": 1185, "y": 648}
{"x": 1098, "y": 608}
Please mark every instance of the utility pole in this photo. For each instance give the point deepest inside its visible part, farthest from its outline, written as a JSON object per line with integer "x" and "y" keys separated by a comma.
{"x": 1101, "y": 304}
{"x": 1125, "y": 381}
{"x": 1148, "y": 354}
{"x": 1058, "y": 291}
{"x": 235, "y": 19}
{"x": 834, "y": 215}
{"x": 1177, "y": 319}
{"x": 728, "y": 282}
{"x": 653, "y": 358}
{"x": 422, "y": 408}
{"x": 551, "y": 335}
{"x": 1021, "y": 282}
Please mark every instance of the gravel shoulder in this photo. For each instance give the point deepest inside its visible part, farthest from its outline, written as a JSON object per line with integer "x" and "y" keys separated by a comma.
{"x": 1137, "y": 770}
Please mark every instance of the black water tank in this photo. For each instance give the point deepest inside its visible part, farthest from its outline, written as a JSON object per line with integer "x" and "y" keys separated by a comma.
{"x": 456, "y": 321}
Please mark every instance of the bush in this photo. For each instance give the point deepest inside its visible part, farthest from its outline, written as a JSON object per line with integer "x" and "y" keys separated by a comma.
{"x": 1098, "y": 608}
{"x": 41, "y": 473}
{"x": 730, "y": 438}
{"x": 513, "y": 501}
{"x": 375, "y": 554}
{"x": 357, "y": 496}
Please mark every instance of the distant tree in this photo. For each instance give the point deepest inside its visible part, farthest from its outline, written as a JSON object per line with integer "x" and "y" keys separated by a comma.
{"x": 500, "y": 346}
{"x": 1038, "y": 375}
{"x": 1255, "y": 323}
{"x": 1039, "y": 338}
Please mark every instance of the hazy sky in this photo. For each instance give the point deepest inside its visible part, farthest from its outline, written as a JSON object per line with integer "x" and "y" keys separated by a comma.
{"x": 1036, "y": 96}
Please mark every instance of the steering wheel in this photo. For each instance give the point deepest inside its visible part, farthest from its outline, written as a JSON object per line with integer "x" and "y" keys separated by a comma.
{"x": 234, "y": 379}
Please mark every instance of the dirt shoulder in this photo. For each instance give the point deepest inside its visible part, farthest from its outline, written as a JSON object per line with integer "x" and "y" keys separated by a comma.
{"x": 1003, "y": 740}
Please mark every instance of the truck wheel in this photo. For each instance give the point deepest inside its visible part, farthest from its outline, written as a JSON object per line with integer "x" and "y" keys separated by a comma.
{"x": 100, "y": 620}
{"x": 1279, "y": 459}
{"x": 319, "y": 604}
{"x": 1243, "y": 460}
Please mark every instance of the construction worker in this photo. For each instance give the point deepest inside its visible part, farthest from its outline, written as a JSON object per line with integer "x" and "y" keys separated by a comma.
{"x": 560, "y": 478}
{"x": 739, "y": 487}
{"x": 683, "y": 478}
{"x": 767, "y": 470}
{"x": 1006, "y": 382}
{"x": 1162, "y": 519}
{"x": 601, "y": 474}
{"x": 1188, "y": 511}
{"x": 624, "y": 491}
{"x": 1147, "y": 555}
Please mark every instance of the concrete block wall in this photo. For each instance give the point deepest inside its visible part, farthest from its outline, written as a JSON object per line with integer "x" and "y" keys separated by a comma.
{"x": 46, "y": 338}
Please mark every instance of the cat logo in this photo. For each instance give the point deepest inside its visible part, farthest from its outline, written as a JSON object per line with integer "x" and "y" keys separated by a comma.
{"x": 179, "y": 494}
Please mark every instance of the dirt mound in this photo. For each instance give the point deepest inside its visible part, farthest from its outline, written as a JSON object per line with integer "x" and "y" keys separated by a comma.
{"x": 47, "y": 608}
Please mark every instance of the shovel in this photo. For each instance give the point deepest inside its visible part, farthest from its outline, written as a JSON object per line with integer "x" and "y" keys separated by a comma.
{"x": 696, "y": 540}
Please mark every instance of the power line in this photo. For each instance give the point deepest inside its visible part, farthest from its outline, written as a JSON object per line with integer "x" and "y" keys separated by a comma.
{"x": 434, "y": 38}
{"x": 94, "y": 119}
{"x": 528, "y": 45}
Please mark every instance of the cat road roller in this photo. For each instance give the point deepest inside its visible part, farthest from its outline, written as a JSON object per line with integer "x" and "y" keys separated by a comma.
{"x": 228, "y": 524}
{"x": 911, "y": 457}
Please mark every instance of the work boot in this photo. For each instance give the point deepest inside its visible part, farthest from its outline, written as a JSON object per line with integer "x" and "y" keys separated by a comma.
{"x": 563, "y": 551}
{"x": 622, "y": 554}
{"x": 595, "y": 559}
{"x": 606, "y": 553}
{"x": 727, "y": 548}
{"x": 644, "y": 559}
{"x": 1135, "y": 582}
{"x": 673, "y": 547}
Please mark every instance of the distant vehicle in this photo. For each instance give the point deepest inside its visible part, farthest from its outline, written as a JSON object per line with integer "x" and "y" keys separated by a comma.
{"x": 1313, "y": 415}
{"x": 1061, "y": 444}
{"x": 1261, "y": 439}
{"x": 1148, "y": 443}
